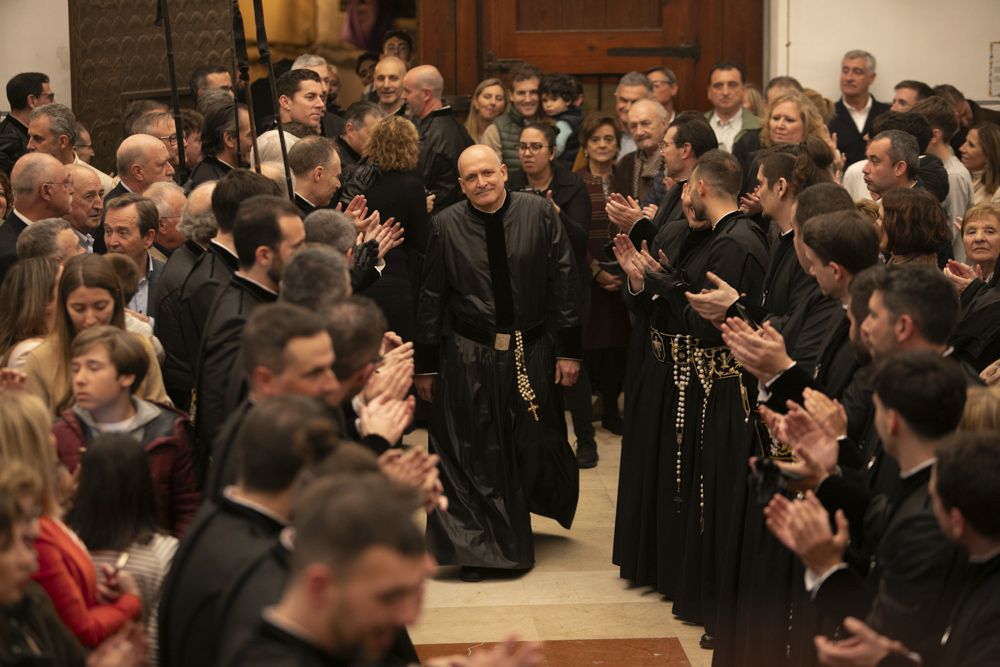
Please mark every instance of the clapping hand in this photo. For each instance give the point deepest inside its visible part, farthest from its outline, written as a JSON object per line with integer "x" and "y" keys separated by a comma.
{"x": 961, "y": 275}
{"x": 712, "y": 305}
{"x": 623, "y": 212}
{"x": 761, "y": 351}
{"x": 865, "y": 648}
{"x": 803, "y": 526}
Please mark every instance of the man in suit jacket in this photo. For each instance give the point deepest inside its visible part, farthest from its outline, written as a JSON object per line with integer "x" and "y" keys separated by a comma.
{"x": 857, "y": 108}
{"x": 903, "y": 590}
{"x": 43, "y": 188}
{"x": 729, "y": 118}
{"x": 130, "y": 223}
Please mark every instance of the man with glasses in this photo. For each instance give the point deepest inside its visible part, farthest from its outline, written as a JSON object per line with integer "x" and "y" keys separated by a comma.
{"x": 24, "y": 92}
{"x": 43, "y": 188}
{"x": 52, "y": 129}
{"x": 160, "y": 124}
{"x": 664, "y": 83}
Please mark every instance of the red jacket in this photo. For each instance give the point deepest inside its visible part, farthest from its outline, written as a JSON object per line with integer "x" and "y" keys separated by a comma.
{"x": 67, "y": 574}
{"x": 163, "y": 434}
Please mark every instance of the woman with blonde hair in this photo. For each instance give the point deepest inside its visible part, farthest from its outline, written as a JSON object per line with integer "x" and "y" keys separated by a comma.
{"x": 981, "y": 156}
{"x": 65, "y": 569}
{"x": 27, "y": 308}
{"x": 982, "y": 410}
{"x": 89, "y": 294}
{"x": 396, "y": 191}
{"x": 488, "y": 101}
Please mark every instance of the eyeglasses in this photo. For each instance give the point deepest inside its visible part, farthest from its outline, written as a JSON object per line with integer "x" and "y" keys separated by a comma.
{"x": 170, "y": 139}
{"x": 83, "y": 146}
{"x": 531, "y": 148}
{"x": 51, "y": 97}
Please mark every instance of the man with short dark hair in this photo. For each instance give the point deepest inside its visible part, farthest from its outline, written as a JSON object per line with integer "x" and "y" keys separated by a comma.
{"x": 969, "y": 112}
{"x": 891, "y": 158}
{"x": 729, "y": 118}
{"x": 300, "y": 98}
{"x": 331, "y": 124}
{"x": 130, "y": 223}
{"x": 857, "y": 108}
{"x": 25, "y": 92}
{"x": 398, "y": 43}
{"x": 315, "y": 166}
{"x": 267, "y": 232}
{"x": 523, "y": 104}
{"x": 52, "y": 238}
{"x": 42, "y": 188}
{"x": 360, "y": 118}
{"x": 909, "y": 122}
{"x": 230, "y": 530}
{"x": 210, "y": 77}
{"x": 442, "y": 137}
{"x": 218, "y": 144}
{"x": 908, "y": 93}
{"x": 216, "y": 266}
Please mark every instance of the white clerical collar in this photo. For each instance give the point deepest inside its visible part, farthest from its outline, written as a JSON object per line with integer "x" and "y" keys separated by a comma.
{"x": 230, "y": 494}
{"x": 917, "y": 468}
{"x": 714, "y": 224}
{"x": 260, "y": 285}
{"x": 222, "y": 247}
{"x": 983, "y": 558}
{"x": 22, "y": 216}
{"x": 305, "y": 199}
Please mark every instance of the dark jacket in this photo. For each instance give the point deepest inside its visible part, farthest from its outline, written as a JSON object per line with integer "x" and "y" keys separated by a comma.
{"x": 153, "y": 278}
{"x": 850, "y": 142}
{"x": 209, "y": 169}
{"x": 972, "y": 638}
{"x": 332, "y": 126}
{"x": 903, "y": 594}
{"x": 34, "y": 620}
{"x": 349, "y": 159}
{"x": 164, "y": 434}
{"x": 273, "y": 646}
{"x": 442, "y": 140}
{"x": 178, "y": 371}
{"x": 219, "y": 380}
{"x": 9, "y": 231}
{"x": 13, "y": 143}
{"x": 211, "y": 272}
{"x": 223, "y": 537}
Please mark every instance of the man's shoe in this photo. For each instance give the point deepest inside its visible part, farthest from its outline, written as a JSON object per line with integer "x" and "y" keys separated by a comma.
{"x": 586, "y": 454}
{"x": 707, "y": 641}
{"x": 613, "y": 423}
{"x": 471, "y": 574}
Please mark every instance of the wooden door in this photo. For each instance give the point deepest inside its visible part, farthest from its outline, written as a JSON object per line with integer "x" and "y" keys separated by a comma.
{"x": 596, "y": 40}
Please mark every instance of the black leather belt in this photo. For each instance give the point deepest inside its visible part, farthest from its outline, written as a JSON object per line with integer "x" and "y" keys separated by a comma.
{"x": 498, "y": 340}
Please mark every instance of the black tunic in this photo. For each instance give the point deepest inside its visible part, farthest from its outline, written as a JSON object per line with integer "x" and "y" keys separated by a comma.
{"x": 972, "y": 637}
{"x": 507, "y": 271}
{"x": 272, "y": 646}
{"x": 178, "y": 373}
{"x": 977, "y": 337}
{"x": 209, "y": 169}
{"x": 442, "y": 140}
{"x": 10, "y": 230}
{"x": 219, "y": 380}
{"x": 221, "y": 539}
{"x": 211, "y": 272}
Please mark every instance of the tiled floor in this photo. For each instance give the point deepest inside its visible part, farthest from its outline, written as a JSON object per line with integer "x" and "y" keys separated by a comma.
{"x": 573, "y": 593}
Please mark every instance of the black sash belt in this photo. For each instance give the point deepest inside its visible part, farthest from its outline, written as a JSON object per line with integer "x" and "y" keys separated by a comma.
{"x": 498, "y": 340}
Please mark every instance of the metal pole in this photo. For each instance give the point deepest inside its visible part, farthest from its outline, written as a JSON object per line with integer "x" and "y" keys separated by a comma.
{"x": 163, "y": 18}
{"x": 265, "y": 57}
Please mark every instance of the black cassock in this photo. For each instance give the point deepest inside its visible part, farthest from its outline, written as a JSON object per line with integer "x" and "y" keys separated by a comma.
{"x": 972, "y": 636}
{"x": 488, "y": 279}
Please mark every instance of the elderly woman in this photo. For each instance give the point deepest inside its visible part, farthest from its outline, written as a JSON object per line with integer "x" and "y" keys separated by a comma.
{"x": 488, "y": 102}
{"x": 981, "y": 238}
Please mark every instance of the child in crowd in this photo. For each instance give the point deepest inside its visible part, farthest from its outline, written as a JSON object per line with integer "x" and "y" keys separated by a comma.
{"x": 559, "y": 93}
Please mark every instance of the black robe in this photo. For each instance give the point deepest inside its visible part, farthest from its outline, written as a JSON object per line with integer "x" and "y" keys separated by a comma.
{"x": 210, "y": 273}
{"x": 272, "y": 646}
{"x": 507, "y": 271}
{"x": 670, "y": 208}
{"x": 10, "y": 230}
{"x": 442, "y": 140}
{"x": 972, "y": 636}
{"x": 178, "y": 373}
{"x": 210, "y": 168}
{"x": 13, "y": 143}
{"x": 222, "y": 538}
{"x": 976, "y": 339}
{"x": 259, "y": 585}
{"x": 650, "y": 514}
{"x": 219, "y": 380}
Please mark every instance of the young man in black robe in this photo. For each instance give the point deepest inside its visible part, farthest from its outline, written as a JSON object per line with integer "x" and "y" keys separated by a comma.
{"x": 715, "y": 432}
{"x": 966, "y": 501}
{"x": 497, "y": 312}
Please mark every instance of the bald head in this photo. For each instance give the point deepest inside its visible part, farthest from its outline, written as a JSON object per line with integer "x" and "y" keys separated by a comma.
{"x": 482, "y": 177}
{"x": 388, "y": 82}
{"x": 42, "y": 186}
{"x": 422, "y": 90}
{"x": 88, "y": 199}
{"x": 142, "y": 160}
{"x": 198, "y": 221}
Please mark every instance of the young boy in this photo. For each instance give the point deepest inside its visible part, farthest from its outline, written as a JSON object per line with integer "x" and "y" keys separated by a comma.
{"x": 559, "y": 93}
{"x": 107, "y": 365}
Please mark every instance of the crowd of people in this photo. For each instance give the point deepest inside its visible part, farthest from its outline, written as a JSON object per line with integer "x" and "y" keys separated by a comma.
{"x": 209, "y": 362}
